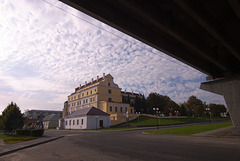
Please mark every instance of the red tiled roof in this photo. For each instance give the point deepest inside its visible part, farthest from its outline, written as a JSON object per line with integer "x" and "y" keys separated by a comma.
{"x": 87, "y": 111}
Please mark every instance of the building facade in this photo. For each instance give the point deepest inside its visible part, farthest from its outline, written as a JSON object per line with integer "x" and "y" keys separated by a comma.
{"x": 104, "y": 94}
{"x": 87, "y": 118}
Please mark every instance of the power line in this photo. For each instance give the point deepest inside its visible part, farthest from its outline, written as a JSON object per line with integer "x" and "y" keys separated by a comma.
{"x": 134, "y": 43}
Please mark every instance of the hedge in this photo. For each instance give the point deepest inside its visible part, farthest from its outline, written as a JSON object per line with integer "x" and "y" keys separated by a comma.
{"x": 30, "y": 132}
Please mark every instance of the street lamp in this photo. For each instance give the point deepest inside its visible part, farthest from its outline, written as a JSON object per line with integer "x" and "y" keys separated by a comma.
{"x": 177, "y": 115}
{"x": 170, "y": 114}
{"x": 208, "y": 110}
{"x": 156, "y": 110}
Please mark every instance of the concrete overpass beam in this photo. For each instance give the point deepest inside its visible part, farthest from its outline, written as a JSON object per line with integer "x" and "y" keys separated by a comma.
{"x": 230, "y": 89}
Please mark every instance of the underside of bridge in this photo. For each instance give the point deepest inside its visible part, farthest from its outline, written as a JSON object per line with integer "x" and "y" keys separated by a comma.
{"x": 201, "y": 33}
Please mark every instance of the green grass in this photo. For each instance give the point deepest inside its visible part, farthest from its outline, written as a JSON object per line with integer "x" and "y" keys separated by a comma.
{"x": 191, "y": 129}
{"x": 147, "y": 121}
{"x": 10, "y": 139}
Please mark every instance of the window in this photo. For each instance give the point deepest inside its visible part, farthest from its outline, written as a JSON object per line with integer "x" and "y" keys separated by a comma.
{"x": 80, "y": 103}
{"x": 74, "y": 97}
{"x": 77, "y": 122}
{"x": 95, "y": 90}
{"x": 109, "y": 91}
{"x": 69, "y": 122}
{"x": 79, "y": 96}
{"x": 121, "y": 109}
{"x": 91, "y": 92}
{"x": 90, "y": 99}
{"x": 73, "y": 122}
{"x": 109, "y": 99}
{"x": 110, "y": 108}
{"x": 126, "y": 109}
{"x": 131, "y": 111}
{"x": 82, "y": 122}
{"x": 83, "y": 101}
{"x": 116, "y": 108}
{"x": 109, "y": 84}
{"x": 82, "y": 94}
{"x": 87, "y": 93}
{"x": 66, "y": 122}
{"x": 86, "y": 100}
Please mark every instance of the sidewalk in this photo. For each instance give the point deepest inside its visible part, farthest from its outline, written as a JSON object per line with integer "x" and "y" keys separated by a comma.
{"x": 10, "y": 148}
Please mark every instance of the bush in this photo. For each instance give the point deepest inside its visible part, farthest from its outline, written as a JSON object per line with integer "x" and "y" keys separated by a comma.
{"x": 30, "y": 132}
{"x": 37, "y": 132}
{"x": 23, "y": 132}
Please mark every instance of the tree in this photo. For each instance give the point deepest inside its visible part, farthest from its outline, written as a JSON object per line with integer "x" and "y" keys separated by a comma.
{"x": 137, "y": 104}
{"x": 1, "y": 127}
{"x": 195, "y": 106}
{"x": 217, "y": 109}
{"x": 171, "y": 106}
{"x": 143, "y": 105}
{"x": 12, "y": 118}
{"x": 183, "y": 110}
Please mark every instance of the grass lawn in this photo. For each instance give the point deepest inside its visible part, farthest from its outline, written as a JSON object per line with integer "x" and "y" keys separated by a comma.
{"x": 10, "y": 139}
{"x": 145, "y": 121}
{"x": 191, "y": 129}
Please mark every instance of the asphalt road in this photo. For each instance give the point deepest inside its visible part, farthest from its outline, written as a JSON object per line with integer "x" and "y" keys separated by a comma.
{"x": 129, "y": 145}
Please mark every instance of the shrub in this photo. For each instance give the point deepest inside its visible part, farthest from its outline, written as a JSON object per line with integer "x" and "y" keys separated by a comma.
{"x": 30, "y": 132}
{"x": 37, "y": 132}
{"x": 23, "y": 132}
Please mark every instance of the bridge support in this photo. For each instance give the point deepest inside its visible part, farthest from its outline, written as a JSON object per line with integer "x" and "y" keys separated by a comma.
{"x": 230, "y": 89}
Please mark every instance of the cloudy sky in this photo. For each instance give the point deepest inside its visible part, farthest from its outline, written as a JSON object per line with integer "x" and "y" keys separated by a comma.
{"x": 46, "y": 50}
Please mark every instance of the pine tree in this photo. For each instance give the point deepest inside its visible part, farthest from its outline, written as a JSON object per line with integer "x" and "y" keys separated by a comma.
{"x": 12, "y": 118}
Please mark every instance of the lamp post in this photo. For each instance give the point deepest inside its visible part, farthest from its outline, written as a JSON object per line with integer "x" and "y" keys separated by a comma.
{"x": 156, "y": 110}
{"x": 208, "y": 110}
{"x": 177, "y": 115}
{"x": 170, "y": 114}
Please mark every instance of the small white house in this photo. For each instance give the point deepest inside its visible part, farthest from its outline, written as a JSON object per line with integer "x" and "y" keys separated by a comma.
{"x": 87, "y": 118}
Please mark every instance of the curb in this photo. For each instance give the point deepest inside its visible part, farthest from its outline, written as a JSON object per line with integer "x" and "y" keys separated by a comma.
{"x": 29, "y": 146}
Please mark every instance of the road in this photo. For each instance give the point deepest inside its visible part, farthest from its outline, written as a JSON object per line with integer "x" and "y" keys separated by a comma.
{"x": 129, "y": 145}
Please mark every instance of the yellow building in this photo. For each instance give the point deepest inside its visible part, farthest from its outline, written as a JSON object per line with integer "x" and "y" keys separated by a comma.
{"x": 103, "y": 94}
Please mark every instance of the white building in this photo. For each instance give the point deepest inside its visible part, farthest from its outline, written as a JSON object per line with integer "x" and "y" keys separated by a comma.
{"x": 87, "y": 118}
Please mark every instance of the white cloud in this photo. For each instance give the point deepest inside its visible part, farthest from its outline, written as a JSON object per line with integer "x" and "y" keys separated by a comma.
{"x": 46, "y": 52}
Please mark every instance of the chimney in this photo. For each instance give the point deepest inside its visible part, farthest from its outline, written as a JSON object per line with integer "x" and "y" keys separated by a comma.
{"x": 97, "y": 77}
{"x": 103, "y": 75}
{"x": 92, "y": 80}
{"x": 85, "y": 82}
{"x": 80, "y": 86}
{"x": 125, "y": 91}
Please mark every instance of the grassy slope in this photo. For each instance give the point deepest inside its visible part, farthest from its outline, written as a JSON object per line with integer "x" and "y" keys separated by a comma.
{"x": 145, "y": 120}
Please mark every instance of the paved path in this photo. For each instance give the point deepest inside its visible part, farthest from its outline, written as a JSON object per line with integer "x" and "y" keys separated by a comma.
{"x": 128, "y": 145}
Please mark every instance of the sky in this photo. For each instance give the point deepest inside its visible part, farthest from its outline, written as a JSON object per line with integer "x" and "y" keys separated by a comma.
{"x": 47, "y": 49}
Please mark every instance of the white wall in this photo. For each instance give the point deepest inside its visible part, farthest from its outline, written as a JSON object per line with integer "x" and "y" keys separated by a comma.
{"x": 93, "y": 120}
{"x": 76, "y": 126}
{"x": 89, "y": 122}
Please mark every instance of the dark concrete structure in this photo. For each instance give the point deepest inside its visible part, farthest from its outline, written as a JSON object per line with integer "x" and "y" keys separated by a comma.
{"x": 201, "y": 33}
